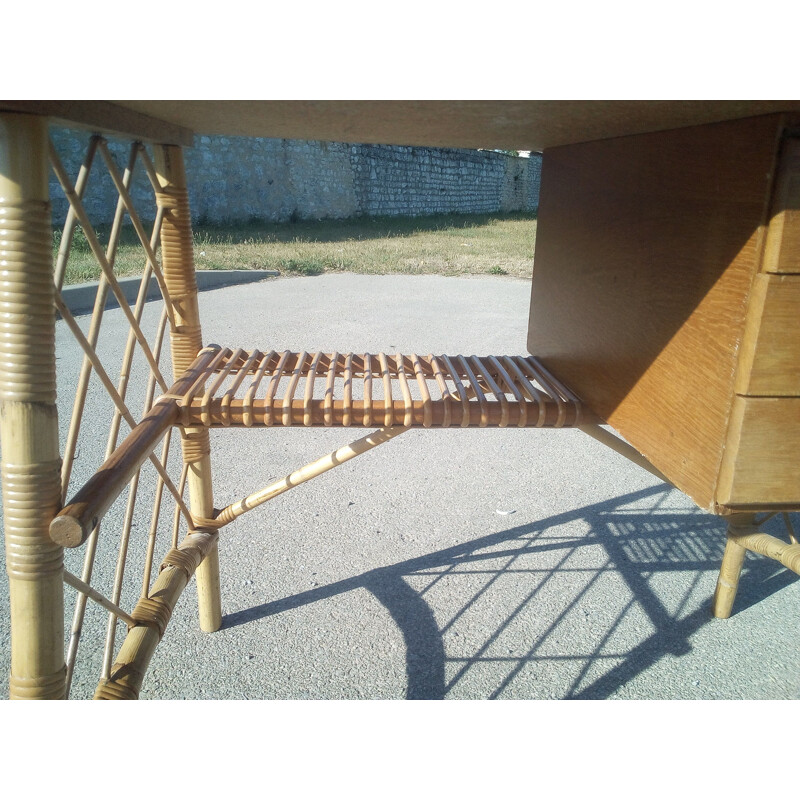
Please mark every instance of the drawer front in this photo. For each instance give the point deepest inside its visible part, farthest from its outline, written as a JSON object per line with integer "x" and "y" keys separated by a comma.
{"x": 761, "y": 464}
{"x": 770, "y": 356}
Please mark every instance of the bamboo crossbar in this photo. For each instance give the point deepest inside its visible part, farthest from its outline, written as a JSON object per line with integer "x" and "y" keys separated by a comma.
{"x": 81, "y": 586}
{"x": 151, "y": 616}
{"x": 73, "y": 524}
{"x": 785, "y": 553}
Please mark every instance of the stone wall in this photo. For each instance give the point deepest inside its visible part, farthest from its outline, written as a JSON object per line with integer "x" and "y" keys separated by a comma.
{"x": 234, "y": 179}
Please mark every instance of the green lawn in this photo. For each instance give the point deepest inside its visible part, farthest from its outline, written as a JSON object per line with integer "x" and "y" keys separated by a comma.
{"x": 453, "y": 244}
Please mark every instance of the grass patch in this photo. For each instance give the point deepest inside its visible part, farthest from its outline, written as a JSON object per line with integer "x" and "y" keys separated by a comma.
{"x": 452, "y": 244}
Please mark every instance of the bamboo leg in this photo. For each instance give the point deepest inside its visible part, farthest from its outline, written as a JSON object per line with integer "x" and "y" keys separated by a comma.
{"x": 31, "y": 466}
{"x": 731, "y": 568}
{"x": 186, "y": 339}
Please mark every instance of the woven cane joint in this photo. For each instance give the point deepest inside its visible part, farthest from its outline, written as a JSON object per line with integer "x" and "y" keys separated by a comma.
{"x": 187, "y": 560}
{"x": 153, "y": 612}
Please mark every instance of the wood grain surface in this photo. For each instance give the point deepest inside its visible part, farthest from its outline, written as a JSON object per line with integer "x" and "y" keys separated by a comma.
{"x": 647, "y": 247}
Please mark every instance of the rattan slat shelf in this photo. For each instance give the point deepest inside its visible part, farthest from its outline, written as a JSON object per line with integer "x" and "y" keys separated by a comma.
{"x": 342, "y": 390}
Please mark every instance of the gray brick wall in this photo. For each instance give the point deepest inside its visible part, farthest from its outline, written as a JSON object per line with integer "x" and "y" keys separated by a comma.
{"x": 234, "y": 179}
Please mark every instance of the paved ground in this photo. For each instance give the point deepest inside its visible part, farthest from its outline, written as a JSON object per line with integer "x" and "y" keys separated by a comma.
{"x": 447, "y": 564}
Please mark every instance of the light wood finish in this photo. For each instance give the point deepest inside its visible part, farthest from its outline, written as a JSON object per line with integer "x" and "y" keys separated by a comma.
{"x": 508, "y": 124}
{"x": 152, "y": 614}
{"x": 31, "y": 466}
{"x": 186, "y": 342}
{"x": 782, "y": 252}
{"x": 102, "y": 115}
{"x": 769, "y": 363}
{"x": 760, "y": 466}
{"x": 646, "y": 250}
{"x": 616, "y": 444}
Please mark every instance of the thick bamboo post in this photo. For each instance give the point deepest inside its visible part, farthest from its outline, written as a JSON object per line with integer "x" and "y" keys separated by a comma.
{"x": 31, "y": 466}
{"x": 186, "y": 340}
{"x": 731, "y": 567}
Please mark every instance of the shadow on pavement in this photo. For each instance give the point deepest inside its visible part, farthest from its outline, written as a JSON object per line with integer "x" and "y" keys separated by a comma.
{"x": 634, "y": 545}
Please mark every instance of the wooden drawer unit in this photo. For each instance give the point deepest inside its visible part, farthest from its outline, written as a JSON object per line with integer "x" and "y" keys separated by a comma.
{"x": 761, "y": 462}
{"x": 666, "y": 293}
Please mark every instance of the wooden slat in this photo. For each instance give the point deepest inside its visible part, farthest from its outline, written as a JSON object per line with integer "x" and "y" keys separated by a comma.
{"x": 512, "y": 388}
{"x": 102, "y": 115}
{"x": 367, "y": 390}
{"x": 272, "y": 387}
{"x": 408, "y": 409}
{"x": 482, "y": 371}
{"x": 476, "y": 389}
{"x": 217, "y": 383}
{"x": 292, "y": 388}
{"x": 462, "y": 392}
{"x": 246, "y": 369}
{"x": 309, "y": 393}
{"x": 528, "y": 389}
{"x": 440, "y": 380}
{"x": 348, "y": 390}
{"x": 330, "y": 389}
{"x": 427, "y": 406}
{"x": 388, "y": 411}
{"x": 253, "y": 388}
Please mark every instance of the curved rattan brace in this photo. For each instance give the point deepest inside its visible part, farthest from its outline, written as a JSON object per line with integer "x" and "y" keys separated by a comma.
{"x": 152, "y": 614}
